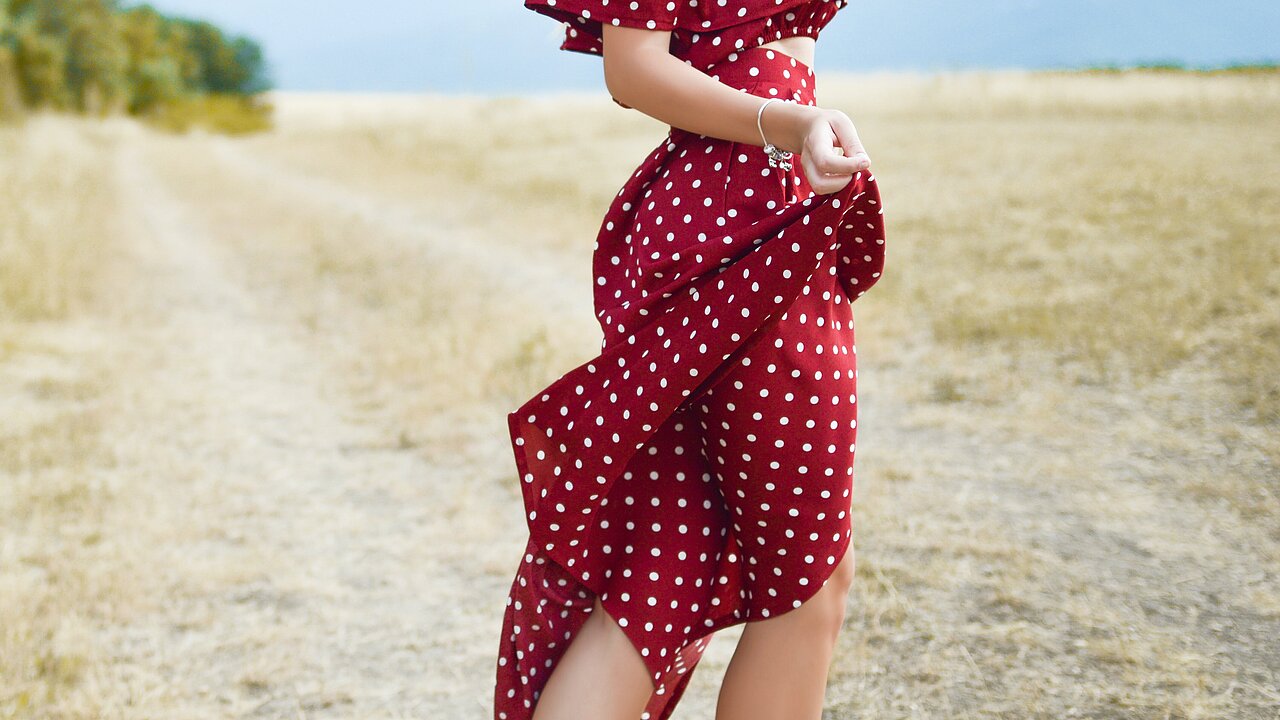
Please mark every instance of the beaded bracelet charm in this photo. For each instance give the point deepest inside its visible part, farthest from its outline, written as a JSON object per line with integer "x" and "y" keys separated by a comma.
{"x": 777, "y": 158}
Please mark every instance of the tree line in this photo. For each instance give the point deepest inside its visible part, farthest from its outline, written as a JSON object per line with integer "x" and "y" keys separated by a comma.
{"x": 100, "y": 56}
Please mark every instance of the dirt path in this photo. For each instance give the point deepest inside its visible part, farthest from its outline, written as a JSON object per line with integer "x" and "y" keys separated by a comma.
{"x": 315, "y": 580}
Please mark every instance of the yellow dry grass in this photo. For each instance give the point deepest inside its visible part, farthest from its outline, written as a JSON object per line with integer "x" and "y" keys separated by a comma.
{"x": 253, "y": 446}
{"x": 54, "y": 245}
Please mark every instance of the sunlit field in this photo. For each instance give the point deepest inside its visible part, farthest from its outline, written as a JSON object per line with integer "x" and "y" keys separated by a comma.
{"x": 253, "y": 391}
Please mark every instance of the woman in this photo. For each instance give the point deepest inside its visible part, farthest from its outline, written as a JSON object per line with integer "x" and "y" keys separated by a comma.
{"x": 698, "y": 473}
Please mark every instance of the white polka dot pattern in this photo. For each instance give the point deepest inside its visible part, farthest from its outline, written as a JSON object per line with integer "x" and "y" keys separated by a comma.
{"x": 703, "y": 32}
{"x": 698, "y": 472}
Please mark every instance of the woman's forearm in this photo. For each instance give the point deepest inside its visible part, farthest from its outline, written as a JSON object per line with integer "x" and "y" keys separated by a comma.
{"x": 650, "y": 79}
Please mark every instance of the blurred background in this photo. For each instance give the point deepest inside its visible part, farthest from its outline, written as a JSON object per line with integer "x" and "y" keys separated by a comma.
{"x": 273, "y": 273}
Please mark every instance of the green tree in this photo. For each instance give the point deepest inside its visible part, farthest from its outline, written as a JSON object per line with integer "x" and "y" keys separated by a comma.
{"x": 97, "y": 59}
{"x": 10, "y": 92}
{"x": 97, "y": 56}
{"x": 216, "y": 60}
{"x": 41, "y": 64}
{"x": 233, "y": 66}
{"x": 157, "y": 82}
{"x": 156, "y": 63}
{"x": 253, "y": 64}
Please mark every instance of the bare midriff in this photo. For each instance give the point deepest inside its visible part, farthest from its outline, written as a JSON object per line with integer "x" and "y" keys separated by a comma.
{"x": 800, "y": 47}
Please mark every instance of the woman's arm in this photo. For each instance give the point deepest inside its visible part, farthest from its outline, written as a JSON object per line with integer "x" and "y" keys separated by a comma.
{"x": 640, "y": 72}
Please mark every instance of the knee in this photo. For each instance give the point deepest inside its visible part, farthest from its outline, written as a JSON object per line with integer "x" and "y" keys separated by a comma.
{"x": 823, "y": 614}
{"x": 832, "y": 600}
{"x": 842, "y": 577}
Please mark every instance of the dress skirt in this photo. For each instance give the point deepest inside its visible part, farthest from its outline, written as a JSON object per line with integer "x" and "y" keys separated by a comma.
{"x": 698, "y": 472}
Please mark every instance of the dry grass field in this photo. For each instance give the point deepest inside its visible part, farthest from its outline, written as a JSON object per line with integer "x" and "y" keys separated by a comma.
{"x": 253, "y": 452}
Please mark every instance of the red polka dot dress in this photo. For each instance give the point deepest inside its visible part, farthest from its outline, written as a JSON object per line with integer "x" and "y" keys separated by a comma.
{"x": 697, "y": 473}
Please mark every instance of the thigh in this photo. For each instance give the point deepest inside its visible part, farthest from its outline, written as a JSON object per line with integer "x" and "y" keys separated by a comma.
{"x": 779, "y": 429}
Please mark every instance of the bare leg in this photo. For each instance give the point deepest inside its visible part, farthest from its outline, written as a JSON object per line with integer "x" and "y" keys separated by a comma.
{"x": 600, "y": 676}
{"x": 779, "y": 668}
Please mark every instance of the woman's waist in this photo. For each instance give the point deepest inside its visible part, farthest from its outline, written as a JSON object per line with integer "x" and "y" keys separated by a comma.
{"x": 767, "y": 72}
{"x": 800, "y": 47}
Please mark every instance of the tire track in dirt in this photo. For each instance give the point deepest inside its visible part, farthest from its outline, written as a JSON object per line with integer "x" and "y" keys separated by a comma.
{"x": 333, "y": 590}
{"x": 524, "y": 272}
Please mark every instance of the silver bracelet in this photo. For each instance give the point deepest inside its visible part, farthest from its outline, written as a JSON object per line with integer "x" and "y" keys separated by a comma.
{"x": 777, "y": 158}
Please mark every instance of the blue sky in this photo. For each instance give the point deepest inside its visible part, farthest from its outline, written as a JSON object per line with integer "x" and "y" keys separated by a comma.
{"x": 498, "y": 46}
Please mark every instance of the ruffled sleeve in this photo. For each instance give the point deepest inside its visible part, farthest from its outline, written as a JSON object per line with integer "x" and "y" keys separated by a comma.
{"x": 649, "y": 14}
{"x": 584, "y": 18}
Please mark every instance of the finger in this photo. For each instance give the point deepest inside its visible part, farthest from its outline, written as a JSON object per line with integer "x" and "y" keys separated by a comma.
{"x": 832, "y": 183}
{"x": 830, "y": 162}
{"x": 820, "y": 147}
{"x": 826, "y": 157}
{"x": 847, "y": 136}
{"x": 823, "y": 183}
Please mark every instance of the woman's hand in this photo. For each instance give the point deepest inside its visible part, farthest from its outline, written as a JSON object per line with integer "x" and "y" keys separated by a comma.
{"x": 826, "y": 140}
